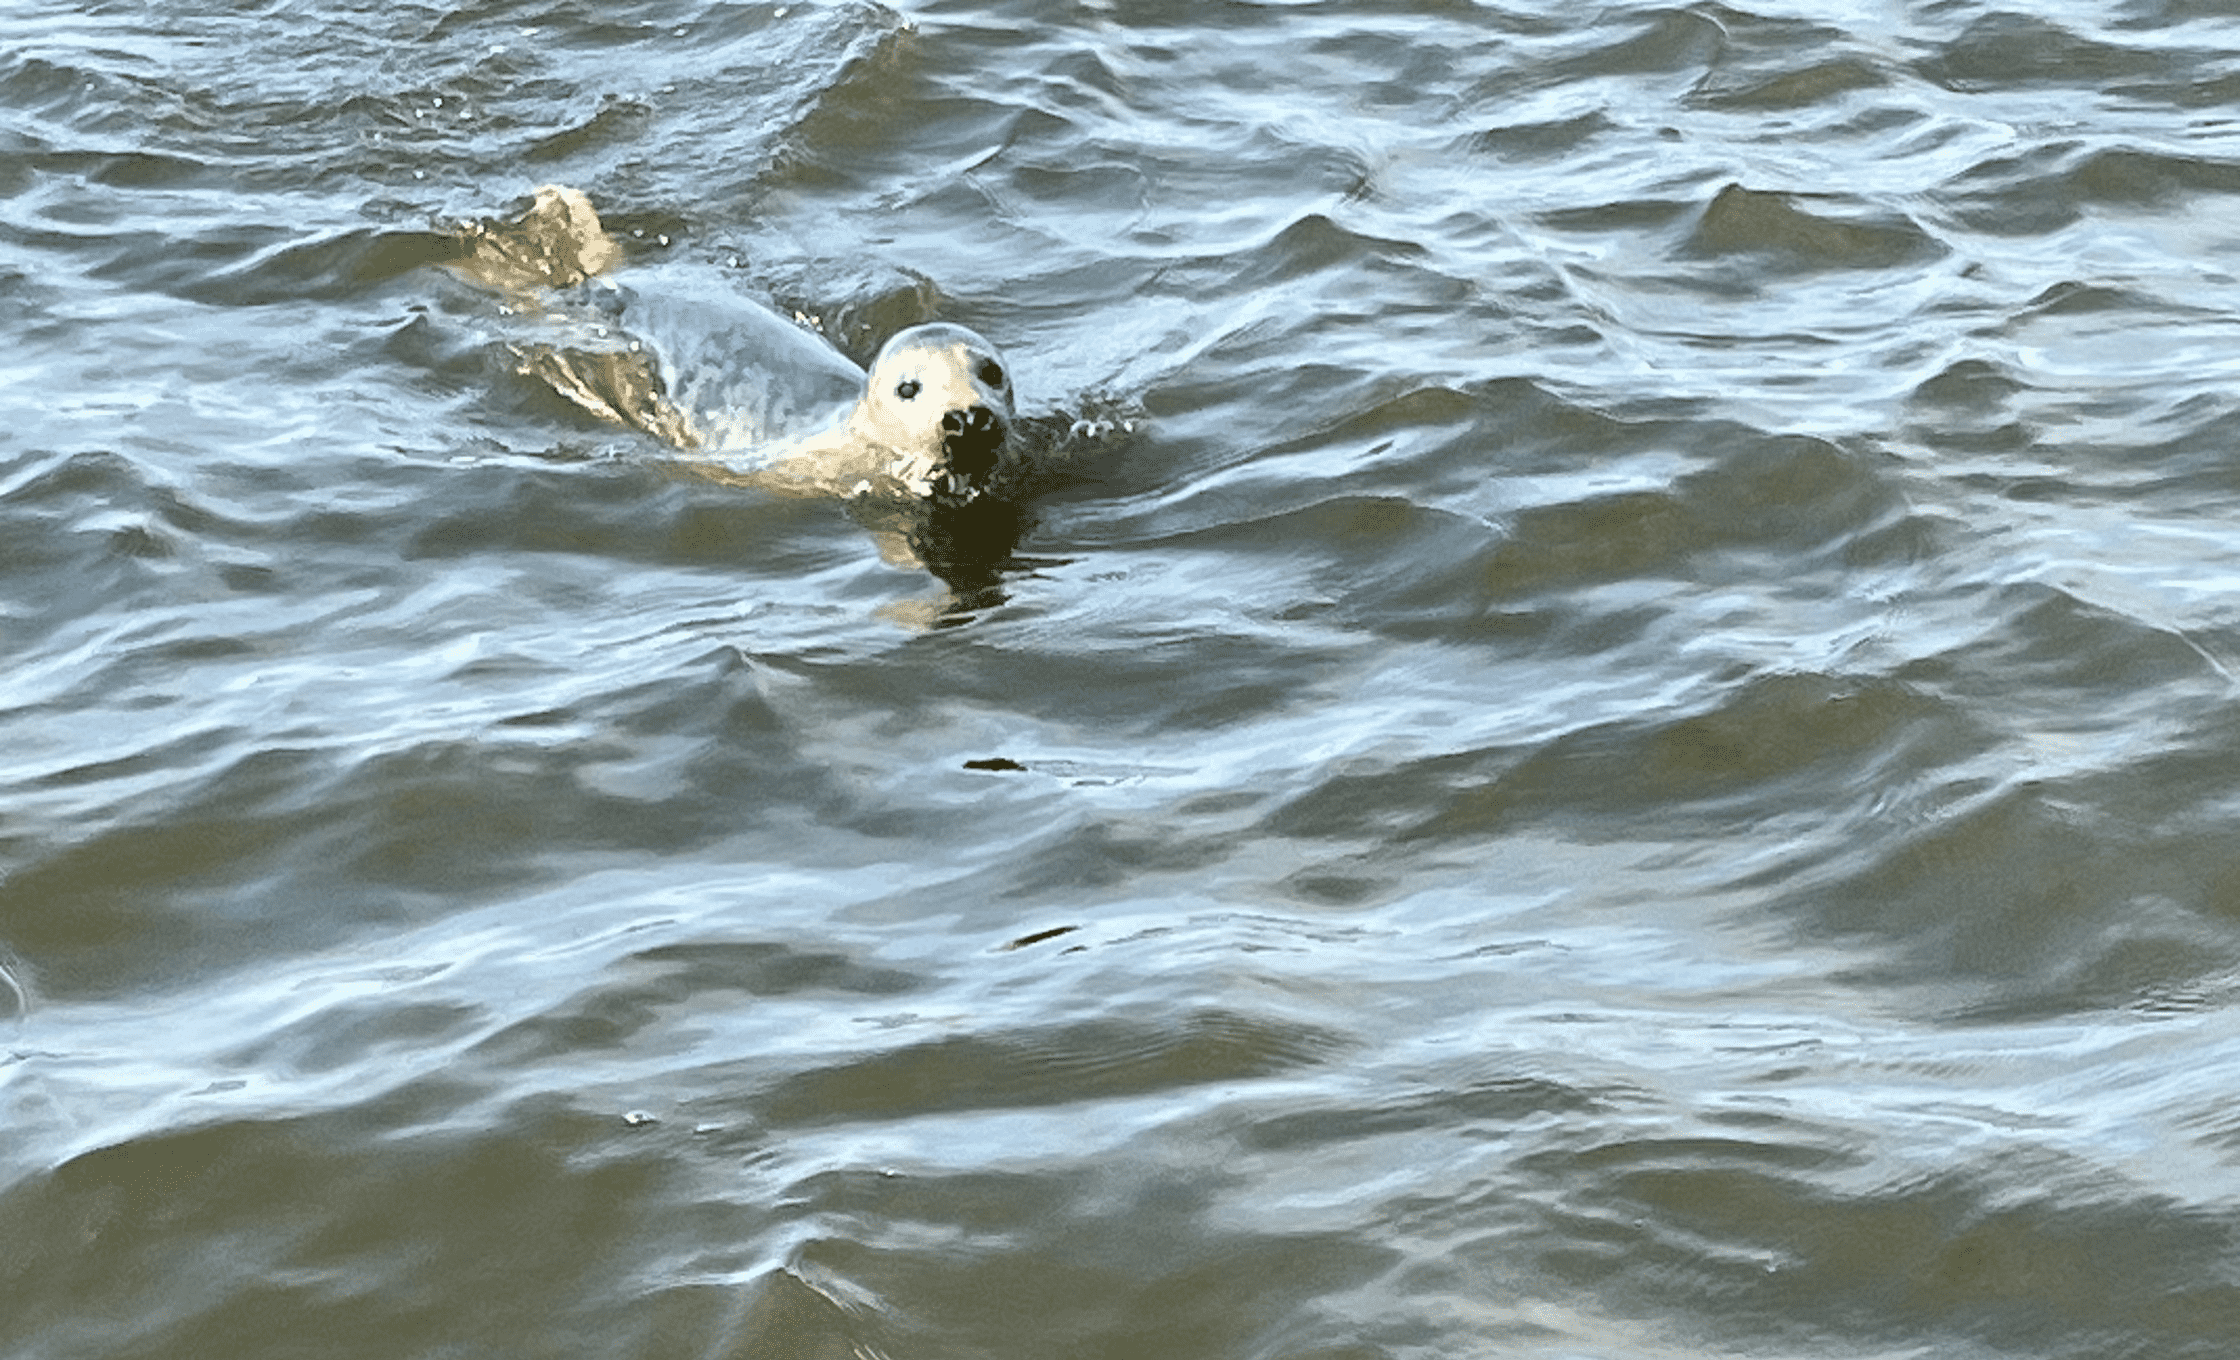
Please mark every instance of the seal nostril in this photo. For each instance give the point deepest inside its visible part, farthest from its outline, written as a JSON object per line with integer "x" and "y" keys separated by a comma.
{"x": 970, "y": 420}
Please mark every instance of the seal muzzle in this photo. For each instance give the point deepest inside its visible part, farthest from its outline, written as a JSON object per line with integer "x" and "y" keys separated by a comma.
{"x": 970, "y": 440}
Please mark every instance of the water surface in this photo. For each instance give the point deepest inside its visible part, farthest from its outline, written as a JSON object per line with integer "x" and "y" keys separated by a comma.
{"x": 1617, "y": 737}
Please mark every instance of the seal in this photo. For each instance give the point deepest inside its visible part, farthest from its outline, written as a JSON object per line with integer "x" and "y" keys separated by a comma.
{"x": 933, "y": 416}
{"x": 677, "y": 353}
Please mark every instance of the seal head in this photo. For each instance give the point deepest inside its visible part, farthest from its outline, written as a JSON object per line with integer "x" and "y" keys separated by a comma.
{"x": 939, "y": 398}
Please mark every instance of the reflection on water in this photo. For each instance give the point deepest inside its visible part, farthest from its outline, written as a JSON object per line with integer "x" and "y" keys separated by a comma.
{"x": 967, "y": 544}
{"x": 1601, "y": 723}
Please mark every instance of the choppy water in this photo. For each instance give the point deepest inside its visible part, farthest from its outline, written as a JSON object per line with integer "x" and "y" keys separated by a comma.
{"x": 1638, "y": 756}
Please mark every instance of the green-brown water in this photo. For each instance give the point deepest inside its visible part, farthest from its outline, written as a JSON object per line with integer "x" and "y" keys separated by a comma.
{"x": 1637, "y": 757}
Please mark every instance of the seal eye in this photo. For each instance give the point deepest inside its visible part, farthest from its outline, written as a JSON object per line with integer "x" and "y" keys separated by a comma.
{"x": 907, "y": 389}
{"x": 991, "y": 373}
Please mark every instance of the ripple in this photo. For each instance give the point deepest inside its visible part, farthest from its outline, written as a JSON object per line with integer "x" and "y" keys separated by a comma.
{"x": 1091, "y": 1061}
{"x": 1744, "y": 221}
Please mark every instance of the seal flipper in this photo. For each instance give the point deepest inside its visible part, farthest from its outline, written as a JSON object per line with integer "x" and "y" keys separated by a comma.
{"x": 618, "y": 386}
{"x": 556, "y": 242}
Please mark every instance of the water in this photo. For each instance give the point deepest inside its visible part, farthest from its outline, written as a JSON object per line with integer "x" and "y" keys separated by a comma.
{"x": 1615, "y": 737}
